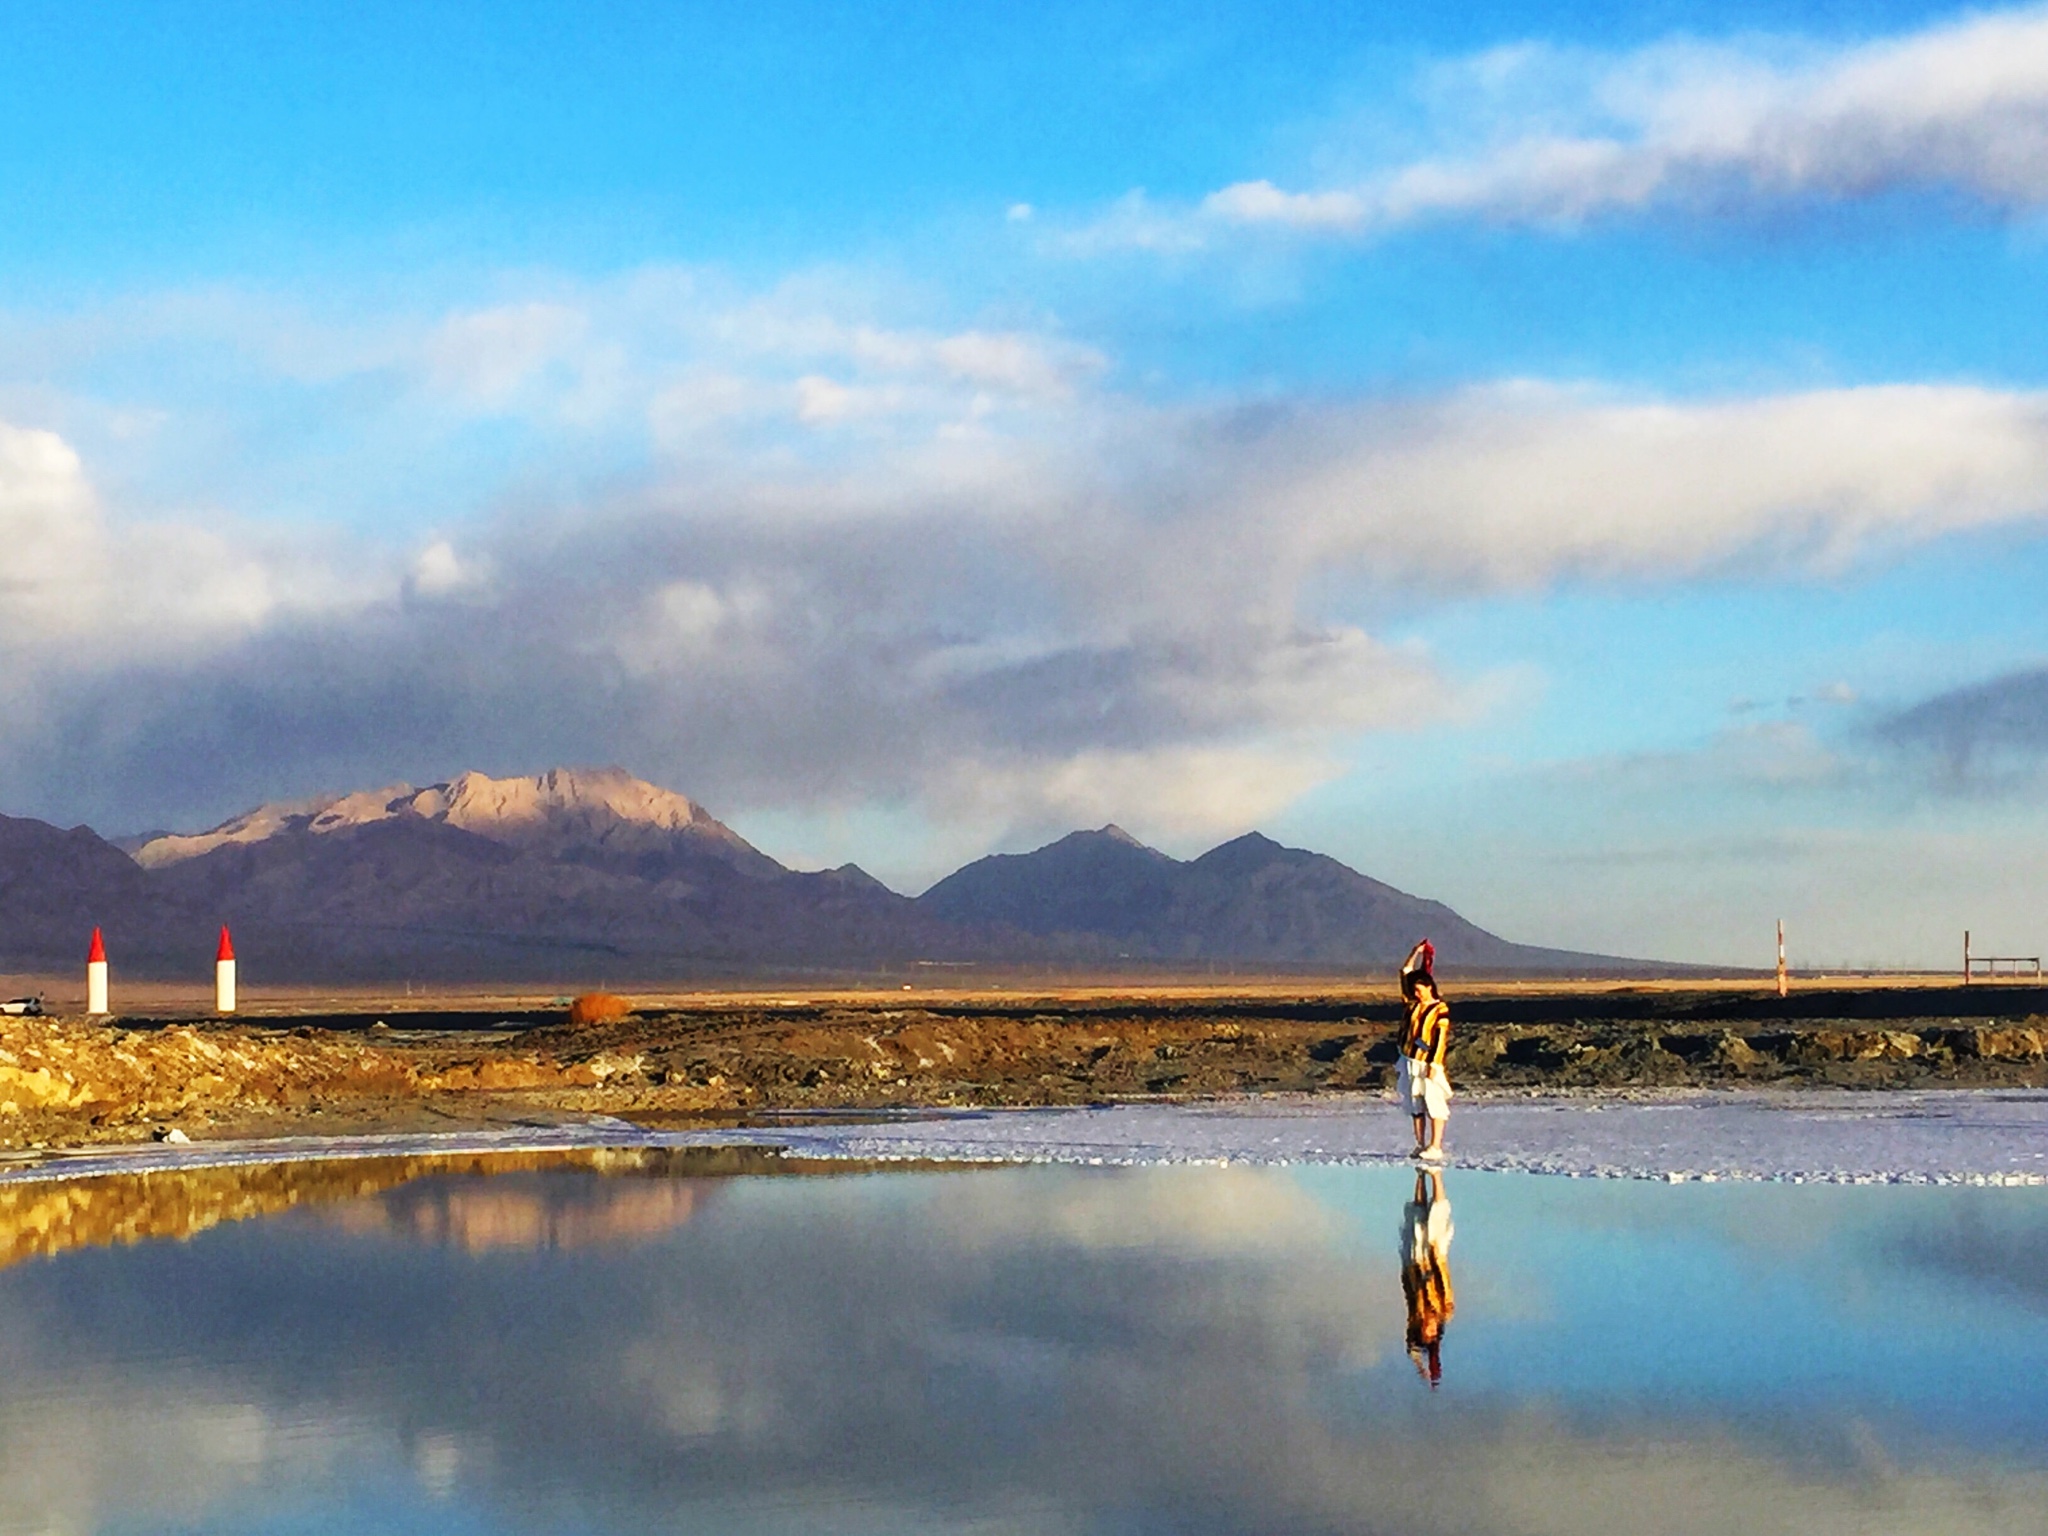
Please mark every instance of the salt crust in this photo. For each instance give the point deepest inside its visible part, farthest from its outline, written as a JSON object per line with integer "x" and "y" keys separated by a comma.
{"x": 1808, "y": 1136}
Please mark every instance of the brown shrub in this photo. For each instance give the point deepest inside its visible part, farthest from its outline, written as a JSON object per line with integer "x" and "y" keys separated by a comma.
{"x": 598, "y": 1008}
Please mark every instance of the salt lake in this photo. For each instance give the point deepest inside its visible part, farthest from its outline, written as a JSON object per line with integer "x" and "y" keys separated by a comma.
{"x": 657, "y": 1336}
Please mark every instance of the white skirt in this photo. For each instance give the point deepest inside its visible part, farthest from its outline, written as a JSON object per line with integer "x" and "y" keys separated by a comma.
{"x": 1424, "y": 1089}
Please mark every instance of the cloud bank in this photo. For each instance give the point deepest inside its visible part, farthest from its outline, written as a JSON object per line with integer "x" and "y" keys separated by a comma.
{"x": 961, "y": 573}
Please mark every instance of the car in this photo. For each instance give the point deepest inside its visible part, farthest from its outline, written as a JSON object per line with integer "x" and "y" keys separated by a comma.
{"x": 23, "y": 1007}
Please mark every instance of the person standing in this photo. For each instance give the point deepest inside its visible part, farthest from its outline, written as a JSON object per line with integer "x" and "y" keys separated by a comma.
{"x": 1424, "y": 1086}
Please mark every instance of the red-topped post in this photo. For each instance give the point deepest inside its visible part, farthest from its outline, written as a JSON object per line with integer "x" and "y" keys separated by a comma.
{"x": 96, "y": 975}
{"x": 224, "y": 974}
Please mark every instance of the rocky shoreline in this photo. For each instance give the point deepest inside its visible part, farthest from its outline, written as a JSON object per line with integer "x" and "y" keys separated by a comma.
{"x": 68, "y": 1082}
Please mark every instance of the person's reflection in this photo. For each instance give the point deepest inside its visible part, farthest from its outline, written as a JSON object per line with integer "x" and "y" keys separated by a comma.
{"x": 1426, "y": 1272}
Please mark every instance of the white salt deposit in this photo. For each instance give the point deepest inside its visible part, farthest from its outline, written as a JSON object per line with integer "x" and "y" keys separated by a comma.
{"x": 1806, "y": 1136}
{"x": 598, "y": 1131}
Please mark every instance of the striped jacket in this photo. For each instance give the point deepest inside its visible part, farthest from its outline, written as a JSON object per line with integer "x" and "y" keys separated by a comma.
{"x": 1428, "y": 1033}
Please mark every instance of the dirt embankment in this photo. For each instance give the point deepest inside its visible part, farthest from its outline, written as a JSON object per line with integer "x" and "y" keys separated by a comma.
{"x": 69, "y": 1081}
{"x": 900, "y": 1056}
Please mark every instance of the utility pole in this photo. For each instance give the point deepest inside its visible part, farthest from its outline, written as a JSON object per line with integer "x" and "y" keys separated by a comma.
{"x": 1781, "y": 957}
{"x": 1966, "y": 957}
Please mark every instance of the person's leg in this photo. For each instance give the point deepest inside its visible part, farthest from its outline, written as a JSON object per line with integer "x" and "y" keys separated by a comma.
{"x": 1436, "y": 1106}
{"x": 1421, "y": 1130}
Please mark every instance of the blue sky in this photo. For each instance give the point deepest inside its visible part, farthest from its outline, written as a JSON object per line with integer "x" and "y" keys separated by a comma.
{"x": 1582, "y": 463}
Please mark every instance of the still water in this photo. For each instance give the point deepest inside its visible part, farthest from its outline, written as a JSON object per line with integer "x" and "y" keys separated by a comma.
{"x": 647, "y": 1341}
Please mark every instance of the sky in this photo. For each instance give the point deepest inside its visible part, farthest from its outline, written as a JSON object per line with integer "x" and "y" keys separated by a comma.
{"x": 1584, "y": 463}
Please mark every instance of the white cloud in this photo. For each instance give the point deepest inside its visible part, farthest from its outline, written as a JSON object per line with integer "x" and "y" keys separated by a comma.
{"x": 702, "y": 403}
{"x": 1517, "y": 485}
{"x": 80, "y": 590}
{"x": 1545, "y": 135}
{"x": 678, "y": 356}
{"x": 438, "y": 571}
{"x": 1007, "y": 360}
{"x": 1260, "y": 202}
{"x": 1171, "y": 793}
{"x": 488, "y": 356}
{"x": 1134, "y": 222}
{"x": 822, "y": 399}
{"x": 47, "y": 539}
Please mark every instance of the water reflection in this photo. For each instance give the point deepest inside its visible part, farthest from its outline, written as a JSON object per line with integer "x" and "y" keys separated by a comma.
{"x": 1426, "y": 1234}
{"x": 636, "y": 1346}
{"x": 647, "y": 1194}
{"x": 40, "y": 1220}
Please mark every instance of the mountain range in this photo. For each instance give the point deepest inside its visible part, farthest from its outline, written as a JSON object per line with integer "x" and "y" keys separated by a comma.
{"x": 593, "y": 873}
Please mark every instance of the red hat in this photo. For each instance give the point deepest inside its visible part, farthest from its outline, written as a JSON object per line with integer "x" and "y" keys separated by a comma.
{"x": 227, "y": 948}
{"x": 97, "y": 955}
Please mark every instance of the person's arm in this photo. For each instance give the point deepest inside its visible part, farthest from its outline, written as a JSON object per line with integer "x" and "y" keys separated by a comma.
{"x": 1421, "y": 958}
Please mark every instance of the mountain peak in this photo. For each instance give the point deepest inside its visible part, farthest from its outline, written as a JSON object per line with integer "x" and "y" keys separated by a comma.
{"x": 1252, "y": 845}
{"x": 560, "y": 811}
{"x": 1085, "y": 882}
{"x": 539, "y": 807}
{"x": 1098, "y": 839}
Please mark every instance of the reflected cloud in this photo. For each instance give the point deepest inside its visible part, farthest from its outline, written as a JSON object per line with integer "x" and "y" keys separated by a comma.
{"x": 533, "y": 1213}
{"x": 1995, "y": 1251}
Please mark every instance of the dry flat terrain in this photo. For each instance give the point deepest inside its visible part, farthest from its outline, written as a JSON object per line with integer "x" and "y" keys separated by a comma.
{"x": 307, "y": 1063}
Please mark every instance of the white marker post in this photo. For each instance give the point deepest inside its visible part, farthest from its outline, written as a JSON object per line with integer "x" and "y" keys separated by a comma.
{"x": 96, "y": 976}
{"x": 1781, "y": 957}
{"x": 224, "y": 974}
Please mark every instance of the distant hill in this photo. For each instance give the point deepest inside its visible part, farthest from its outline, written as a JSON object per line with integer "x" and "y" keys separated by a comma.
{"x": 1248, "y": 900}
{"x": 577, "y": 871}
{"x": 56, "y": 885}
{"x": 592, "y": 873}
